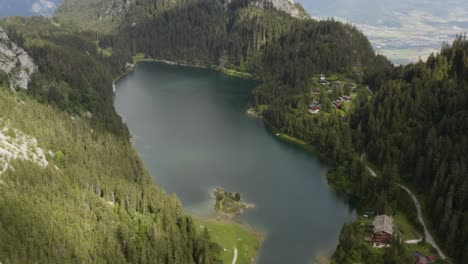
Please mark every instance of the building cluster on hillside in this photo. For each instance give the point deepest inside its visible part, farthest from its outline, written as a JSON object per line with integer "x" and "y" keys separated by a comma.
{"x": 338, "y": 103}
{"x": 315, "y": 91}
{"x": 333, "y": 85}
{"x": 315, "y": 108}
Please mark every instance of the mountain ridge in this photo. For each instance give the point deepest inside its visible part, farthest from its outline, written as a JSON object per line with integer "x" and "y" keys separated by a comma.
{"x": 110, "y": 14}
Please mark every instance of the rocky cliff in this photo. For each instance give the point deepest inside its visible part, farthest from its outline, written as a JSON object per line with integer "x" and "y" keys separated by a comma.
{"x": 288, "y": 6}
{"x": 15, "y": 62}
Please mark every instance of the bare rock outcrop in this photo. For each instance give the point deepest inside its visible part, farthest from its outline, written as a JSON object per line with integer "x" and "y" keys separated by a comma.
{"x": 15, "y": 62}
{"x": 288, "y": 6}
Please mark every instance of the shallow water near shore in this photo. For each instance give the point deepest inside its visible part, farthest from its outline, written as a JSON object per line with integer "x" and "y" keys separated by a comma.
{"x": 191, "y": 128}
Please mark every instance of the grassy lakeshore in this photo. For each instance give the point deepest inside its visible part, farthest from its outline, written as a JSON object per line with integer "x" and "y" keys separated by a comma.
{"x": 296, "y": 141}
{"x": 230, "y": 235}
{"x": 140, "y": 57}
{"x": 300, "y": 143}
{"x": 235, "y": 73}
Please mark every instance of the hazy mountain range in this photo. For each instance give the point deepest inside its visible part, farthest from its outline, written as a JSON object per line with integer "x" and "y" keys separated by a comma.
{"x": 403, "y": 30}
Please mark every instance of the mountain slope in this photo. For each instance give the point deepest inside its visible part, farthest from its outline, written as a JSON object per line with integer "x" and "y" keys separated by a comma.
{"x": 290, "y": 7}
{"x": 419, "y": 123}
{"x": 111, "y": 14}
{"x": 75, "y": 190}
{"x": 93, "y": 201}
{"x": 15, "y": 62}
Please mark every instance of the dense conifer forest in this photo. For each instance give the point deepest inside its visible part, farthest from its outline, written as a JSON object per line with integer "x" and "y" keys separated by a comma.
{"x": 418, "y": 123}
{"x": 95, "y": 201}
{"x": 414, "y": 126}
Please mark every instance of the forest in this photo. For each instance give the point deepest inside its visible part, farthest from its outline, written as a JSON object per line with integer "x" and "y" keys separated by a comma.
{"x": 418, "y": 123}
{"x": 414, "y": 126}
{"x": 95, "y": 202}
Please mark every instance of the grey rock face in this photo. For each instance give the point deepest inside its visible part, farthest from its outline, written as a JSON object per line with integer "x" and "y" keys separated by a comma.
{"x": 15, "y": 62}
{"x": 288, "y": 6}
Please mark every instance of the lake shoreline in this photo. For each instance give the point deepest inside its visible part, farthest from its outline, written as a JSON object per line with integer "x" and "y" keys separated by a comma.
{"x": 227, "y": 71}
{"x": 226, "y": 225}
{"x": 283, "y": 136}
{"x": 223, "y": 225}
{"x": 233, "y": 235}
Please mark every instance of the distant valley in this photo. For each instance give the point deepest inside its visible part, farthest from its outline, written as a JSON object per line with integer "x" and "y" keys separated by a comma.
{"x": 402, "y": 30}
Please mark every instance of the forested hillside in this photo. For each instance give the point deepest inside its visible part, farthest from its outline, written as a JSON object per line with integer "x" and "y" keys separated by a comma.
{"x": 418, "y": 122}
{"x": 93, "y": 201}
{"x": 100, "y": 192}
{"x": 73, "y": 74}
{"x": 414, "y": 127}
{"x": 245, "y": 35}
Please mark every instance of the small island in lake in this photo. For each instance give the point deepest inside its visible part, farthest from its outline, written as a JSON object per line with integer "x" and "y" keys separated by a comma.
{"x": 229, "y": 204}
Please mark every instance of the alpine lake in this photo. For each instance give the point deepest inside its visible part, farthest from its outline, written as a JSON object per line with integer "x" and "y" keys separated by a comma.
{"x": 191, "y": 129}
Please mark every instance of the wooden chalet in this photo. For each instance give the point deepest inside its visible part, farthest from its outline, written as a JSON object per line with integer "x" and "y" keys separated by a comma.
{"x": 382, "y": 230}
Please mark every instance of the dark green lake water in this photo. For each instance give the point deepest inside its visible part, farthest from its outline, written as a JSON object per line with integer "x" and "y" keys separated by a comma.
{"x": 190, "y": 127}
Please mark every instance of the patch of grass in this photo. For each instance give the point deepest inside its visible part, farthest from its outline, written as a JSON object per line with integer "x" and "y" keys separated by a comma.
{"x": 235, "y": 73}
{"x": 232, "y": 235}
{"x": 261, "y": 109}
{"x": 423, "y": 247}
{"x": 139, "y": 57}
{"x": 407, "y": 230}
{"x": 346, "y": 107}
{"x": 105, "y": 52}
{"x": 295, "y": 141}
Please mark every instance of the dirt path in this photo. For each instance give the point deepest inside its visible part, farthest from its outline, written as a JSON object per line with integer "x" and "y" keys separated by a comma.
{"x": 371, "y": 171}
{"x": 427, "y": 235}
{"x": 234, "y": 260}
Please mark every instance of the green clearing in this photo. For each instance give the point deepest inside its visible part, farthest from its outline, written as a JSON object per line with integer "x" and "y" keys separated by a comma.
{"x": 405, "y": 228}
{"x": 139, "y": 57}
{"x": 105, "y": 52}
{"x": 298, "y": 142}
{"x": 346, "y": 107}
{"x": 261, "y": 109}
{"x": 235, "y": 73}
{"x": 231, "y": 235}
{"x": 422, "y": 247}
